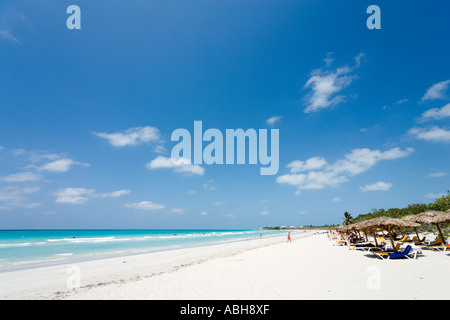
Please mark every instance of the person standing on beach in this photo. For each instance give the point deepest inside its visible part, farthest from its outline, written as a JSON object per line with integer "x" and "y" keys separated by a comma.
{"x": 289, "y": 237}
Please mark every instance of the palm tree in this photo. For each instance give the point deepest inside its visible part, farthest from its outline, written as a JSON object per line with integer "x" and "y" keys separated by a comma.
{"x": 347, "y": 218}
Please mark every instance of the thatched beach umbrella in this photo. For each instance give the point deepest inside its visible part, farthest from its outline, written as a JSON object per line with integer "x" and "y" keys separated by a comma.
{"x": 366, "y": 226}
{"x": 357, "y": 227}
{"x": 360, "y": 226}
{"x": 436, "y": 218}
{"x": 412, "y": 218}
{"x": 388, "y": 224}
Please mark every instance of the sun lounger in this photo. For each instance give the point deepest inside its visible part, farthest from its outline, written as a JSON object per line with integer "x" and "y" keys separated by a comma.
{"x": 441, "y": 247}
{"x": 418, "y": 241}
{"x": 390, "y": 249}
{"x": 404, "y": 239}
{"x": 434, "y": 244}
{"x": 416, "y": 248}
{"x": 407, "y": 253}
{"x": 366, "y": 246}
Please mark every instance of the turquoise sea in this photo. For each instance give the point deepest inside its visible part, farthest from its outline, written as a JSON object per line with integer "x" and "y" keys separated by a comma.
{"x": 26, "y": 248}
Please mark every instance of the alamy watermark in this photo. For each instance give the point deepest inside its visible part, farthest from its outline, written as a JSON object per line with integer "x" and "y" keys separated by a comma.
{"x": 73, "y": 22}
{"x": 73, "y": 281}
{"x": 236, "y": 141}
{"x": 373, "y": 281}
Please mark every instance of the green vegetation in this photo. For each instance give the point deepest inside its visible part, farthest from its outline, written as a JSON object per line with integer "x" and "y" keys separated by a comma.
{"x": 348, "y": 219}
{"x": 441, "y": 204}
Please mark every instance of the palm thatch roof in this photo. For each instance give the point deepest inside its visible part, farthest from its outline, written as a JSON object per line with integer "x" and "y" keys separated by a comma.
{"x": 348, "y": 227}
{"x": 436, "y": 218}
{"x": 386, "y": 223}
{"x": 411, "y": 217}
{"x": 433, "y": 217}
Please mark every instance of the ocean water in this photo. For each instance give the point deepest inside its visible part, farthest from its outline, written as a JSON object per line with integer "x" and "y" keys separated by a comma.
{"x": 26, "y": 248}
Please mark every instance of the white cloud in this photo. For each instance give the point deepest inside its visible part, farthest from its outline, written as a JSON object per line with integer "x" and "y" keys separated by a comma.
{"x": 22, "y": 177}
{"x": 74, "y": 195}
{"x": 18, "y": 152}
{"x": 303, "y": 212}
{"x": 203, "y": 213}
{"x": 337, "y": 199}
{"x": 310, "y": 164}
{"x": 61, "y": 165}
{"x": 439, "y": 174}
{"x": 7, "y": 35}
{"x": 378, "y": 186}
{"x": 160, "y": 149}
{"x": 209, "y": 187}
{"x": 8, "y": 193}
{"x": 114, "y": 194}
{"x": 14, "y": 197}
{"x": 326, "y": 85}
{"x": 181, "y": 165}
{"x": 436, "y": 91}
{"x": 43, "y": 161}
{"x": 219, "y": 203}
{"x": 358, "y": 59}
{"x": 178, "y": 210}
{"x": 131, "y": 137}
{"x": 401, "y": 101}
{"x": 265, "y": 212}
{"x": 82, "y": 195}
{"x": 435, "y": 195}
{"x": 145, "y": 205}
{"x": 2, "y": 148}
{"x": 360, "y": 160}
{"x": 434, "y": 134}
{"x": 320, "y": 174}
{"x": 9, "y": 20}
{"x": 272, "y": 120}
{"x": 436, "y": 113}
{"x": 328, "y": 59}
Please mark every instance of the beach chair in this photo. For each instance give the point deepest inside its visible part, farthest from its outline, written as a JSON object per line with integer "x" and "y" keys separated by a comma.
{"x": 407, "y": 253}
{"x": 418, "y": 241}
{"x": 381, "y": 247}
{"x": 367, "y": 246}
{"x": 443, "y": 247}
{"x": 397, "y": 247}
{"x": 438, "y": 242}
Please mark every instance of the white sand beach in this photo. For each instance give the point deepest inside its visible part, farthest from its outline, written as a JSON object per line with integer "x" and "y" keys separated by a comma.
{"x": 310, "y": 267}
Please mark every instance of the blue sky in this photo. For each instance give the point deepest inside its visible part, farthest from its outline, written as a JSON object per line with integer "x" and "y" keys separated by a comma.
{"x": 86, "y": 116}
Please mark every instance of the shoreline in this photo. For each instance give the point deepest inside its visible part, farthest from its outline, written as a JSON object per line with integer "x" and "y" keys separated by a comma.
{"x": 310, "y": 267}
{"x": 78, "y": 258}
{"x": 50, "y": 281}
